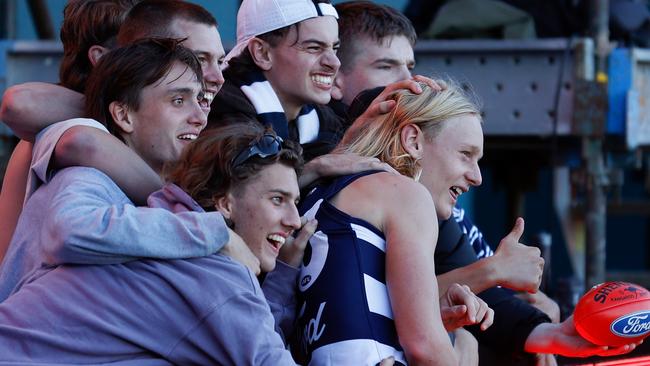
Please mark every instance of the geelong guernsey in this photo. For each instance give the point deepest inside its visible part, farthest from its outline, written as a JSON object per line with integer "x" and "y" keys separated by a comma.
{"x": 345, "y": 317}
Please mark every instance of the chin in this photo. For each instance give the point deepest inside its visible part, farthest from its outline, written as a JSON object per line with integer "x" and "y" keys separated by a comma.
{"x": 267, "y": 266}
{"x": 321, "y": 99}
{"x": 444, "y": 212}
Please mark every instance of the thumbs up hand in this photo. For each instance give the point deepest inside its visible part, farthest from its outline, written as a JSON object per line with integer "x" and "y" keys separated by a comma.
{"x": 519, "y": 267}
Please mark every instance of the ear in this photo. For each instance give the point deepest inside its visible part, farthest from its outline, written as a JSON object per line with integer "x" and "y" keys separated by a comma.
{"x": 120, "y": 114}
{"x": 224, "y": 205}
{"x": 261, "y": 53}
{"x": 337, "y": 88}
{"x": 412, "y": 139}
{"x": 95, "y": 52}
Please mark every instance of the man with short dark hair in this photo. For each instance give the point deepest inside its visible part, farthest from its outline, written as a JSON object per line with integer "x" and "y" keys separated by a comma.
{"x": 207, "y": 310}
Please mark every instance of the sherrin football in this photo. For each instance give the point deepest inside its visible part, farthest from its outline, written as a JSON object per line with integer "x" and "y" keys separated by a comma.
{"x": 613, "y": 314}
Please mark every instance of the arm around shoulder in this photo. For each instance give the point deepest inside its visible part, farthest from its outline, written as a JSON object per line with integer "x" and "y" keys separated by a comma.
{"x": 28, "y": 108}
{"x": 92, "y": 147}
{"x": 90, "y": 221}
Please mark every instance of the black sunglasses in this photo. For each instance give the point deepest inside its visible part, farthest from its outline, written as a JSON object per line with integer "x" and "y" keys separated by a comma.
{"x": 265, "y": 146}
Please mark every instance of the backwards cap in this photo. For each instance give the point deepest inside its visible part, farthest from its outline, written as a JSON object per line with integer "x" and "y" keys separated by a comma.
{"x": 257, "y": 17}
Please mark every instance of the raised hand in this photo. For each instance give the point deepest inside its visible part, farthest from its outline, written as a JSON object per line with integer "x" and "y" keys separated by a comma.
{"x": 519, "y": 266}
{"x": 459, "y": 307}
{"x": 293, "y": 249}
{"x": 239, "y": 251}
{"x": 383, "y": 104}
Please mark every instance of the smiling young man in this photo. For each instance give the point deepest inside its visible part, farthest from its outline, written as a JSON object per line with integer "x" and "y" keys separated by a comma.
{"x": 89, "y": 30}
{"x": 189, "y": 22}
{"x": 281, "y": 72}
{"x": 82, "y": 215}
{"x": 62, "y": 145}
{"x": 200, "y": 311}
{"x": 376, "y": 48}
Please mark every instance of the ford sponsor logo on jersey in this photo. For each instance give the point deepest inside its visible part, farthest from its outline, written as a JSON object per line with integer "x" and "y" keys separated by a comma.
{"x": 632, "y": 325}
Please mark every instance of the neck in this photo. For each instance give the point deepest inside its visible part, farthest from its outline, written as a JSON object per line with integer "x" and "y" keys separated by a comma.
{"x": 291, "y": 110}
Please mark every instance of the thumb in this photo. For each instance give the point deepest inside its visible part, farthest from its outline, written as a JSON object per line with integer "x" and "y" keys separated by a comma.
{"x": 517, "y": 230}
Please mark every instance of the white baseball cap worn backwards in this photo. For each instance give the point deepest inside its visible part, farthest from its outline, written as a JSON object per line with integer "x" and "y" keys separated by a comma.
{"x": 257, "y": 17}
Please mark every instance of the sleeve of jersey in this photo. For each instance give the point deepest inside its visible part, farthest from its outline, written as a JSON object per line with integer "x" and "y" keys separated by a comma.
{"x": 238, "y": 332}
{"x": 43, "y": 150}
{"x": 514, "y": 320}
{"x": 89, "y": 223}
{"x": 279, "y": 288}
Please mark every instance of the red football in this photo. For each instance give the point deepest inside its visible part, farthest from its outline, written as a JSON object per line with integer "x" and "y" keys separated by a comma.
{"x": 613, "y": 314}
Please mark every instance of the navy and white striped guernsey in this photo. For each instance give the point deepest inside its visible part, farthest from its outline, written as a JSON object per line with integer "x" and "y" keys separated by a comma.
{"x": 345, "y": 317}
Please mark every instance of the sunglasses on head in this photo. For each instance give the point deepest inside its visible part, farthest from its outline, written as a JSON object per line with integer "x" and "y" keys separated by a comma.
{"x": 265, "y": 146}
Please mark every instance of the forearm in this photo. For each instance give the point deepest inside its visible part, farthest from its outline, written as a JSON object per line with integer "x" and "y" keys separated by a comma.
{"x": 309, "y": 174}
{"x": 479, "y": 276}
{"x": 91, "y": 222}
{"x": 91, "y": 147}
{"x": 13, "y": 192}
{"x": 30, "y": 107}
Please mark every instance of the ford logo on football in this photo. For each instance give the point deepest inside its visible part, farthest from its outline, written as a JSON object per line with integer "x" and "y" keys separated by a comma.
{"x": 632, "y": 325}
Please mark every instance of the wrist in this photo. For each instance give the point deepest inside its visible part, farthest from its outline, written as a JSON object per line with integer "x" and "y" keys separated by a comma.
{"x": 491, "y": 271}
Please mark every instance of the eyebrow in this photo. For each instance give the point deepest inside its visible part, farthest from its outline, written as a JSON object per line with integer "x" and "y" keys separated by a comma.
{"x": 208, "y": 54}
{"x": 184, "y": 91}
{"x": 320, "y": 43}
{"x": 284, "y": 193}
{"x": 392, "y": 61}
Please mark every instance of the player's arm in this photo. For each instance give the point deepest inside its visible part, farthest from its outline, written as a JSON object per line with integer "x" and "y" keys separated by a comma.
{"x": 28, "y": 108}
{"x": 410, "y": 234}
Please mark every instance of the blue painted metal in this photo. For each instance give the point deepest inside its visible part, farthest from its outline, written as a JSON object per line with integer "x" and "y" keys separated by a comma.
{"x": 620, "y": 82}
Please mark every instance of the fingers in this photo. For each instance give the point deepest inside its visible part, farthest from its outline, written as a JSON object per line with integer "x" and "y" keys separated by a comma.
{"x": 306, "y": 231}
{"x": 612, "y": 351}
{"x": 378, "y": 108}
{"x": 410, "y": 84}
{"x": 436, "y": 85}
{"x": 482, "y": 312}
{"x": 477, "y": 310}
{"x": 293, "y": 250}
{"x": 488, "y": 318}
{"x": 454, "y": 313}
{"x": 376, "y": 164}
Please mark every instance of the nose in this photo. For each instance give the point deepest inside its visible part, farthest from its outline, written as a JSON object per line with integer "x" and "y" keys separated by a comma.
{"x": 213, "y": 76}
{"x": 291, "y": 218}
{"x": 197, "y": 116}
{"x": 474, "y": 175}
{"x": 331, "y": 60}
{"x": 404, "y": 73}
